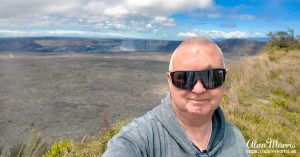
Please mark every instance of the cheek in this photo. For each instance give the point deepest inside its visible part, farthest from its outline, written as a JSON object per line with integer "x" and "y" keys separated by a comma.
{"x": 217, "y": 95}
{"x": 178, "y": 96}
{"x": 175, "y": 93}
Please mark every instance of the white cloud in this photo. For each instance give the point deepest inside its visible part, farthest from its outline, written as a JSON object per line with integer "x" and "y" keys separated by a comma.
{"x": 94, "y": 7}
{"x": 13, "y": 33}
{"x": 91, "y": 12}
{"x": 116, "y": 11}
{"x": 149, "y": 25}
{"x": 16, "y": 8}
{"x": 164, "y": 21}
{"x": 139, "y": 15}
{"x": 140, "y": 4}
{"x": 61, "y": 7}
{"x": 155, "y": 30}
{"x": 219, "y": 34}
{"x": 23, "y": 33}
{"x": 119, "y": 25}
{"x": 166, "y": 7}
{"x": 187, "y": 34}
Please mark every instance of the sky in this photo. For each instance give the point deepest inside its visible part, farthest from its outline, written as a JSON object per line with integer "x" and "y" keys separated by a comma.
{"x": 148, "y": 19}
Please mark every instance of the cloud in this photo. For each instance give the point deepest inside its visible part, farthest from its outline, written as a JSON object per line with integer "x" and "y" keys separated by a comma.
{"x": 106, "y": 15}
{"x": 187, "y": 34}
{"x": 166, "y": 7}
{"x": 149, "y": 25}
{"x": 142, "y": 16}
{"x": 115, "y": 25}
{"x": 32, "y": 11}
{"x": 164, "y": 21}
{"x": 218, "y": 34}
{"x": 116, "y": 11}
{"x": 23, "y": 9}
{"x": 37, "y": 33}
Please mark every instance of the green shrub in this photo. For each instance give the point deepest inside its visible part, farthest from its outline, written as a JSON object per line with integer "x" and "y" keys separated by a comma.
{"x": 283, "y": 40}
{"x": 60, "y": 148}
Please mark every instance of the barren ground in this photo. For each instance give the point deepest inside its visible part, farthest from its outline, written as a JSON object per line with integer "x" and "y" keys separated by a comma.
{"x": 73, "y": 95}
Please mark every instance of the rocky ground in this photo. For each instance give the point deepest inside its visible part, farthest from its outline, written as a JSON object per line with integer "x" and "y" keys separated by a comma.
{"x": 73, "y": 95}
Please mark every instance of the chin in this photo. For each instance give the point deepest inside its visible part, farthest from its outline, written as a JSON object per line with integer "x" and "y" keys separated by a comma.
{"x": 200, "y": 110}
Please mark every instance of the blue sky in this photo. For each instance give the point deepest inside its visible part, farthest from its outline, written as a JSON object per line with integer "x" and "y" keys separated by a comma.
{"x": 148, "y": 19}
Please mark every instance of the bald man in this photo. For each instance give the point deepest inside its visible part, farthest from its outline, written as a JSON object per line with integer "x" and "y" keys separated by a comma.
{"x": 189, "y": 121}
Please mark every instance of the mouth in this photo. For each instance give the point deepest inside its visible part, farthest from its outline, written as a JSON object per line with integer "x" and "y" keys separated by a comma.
{"x": 199, "y": 101}
{"x": 202, "y": 99}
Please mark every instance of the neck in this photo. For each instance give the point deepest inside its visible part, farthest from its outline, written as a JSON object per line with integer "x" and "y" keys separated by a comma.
{"x": 197, "y": 128}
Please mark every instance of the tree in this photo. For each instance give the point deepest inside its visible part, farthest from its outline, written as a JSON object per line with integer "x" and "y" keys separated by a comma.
{"x": 282, "y": 39}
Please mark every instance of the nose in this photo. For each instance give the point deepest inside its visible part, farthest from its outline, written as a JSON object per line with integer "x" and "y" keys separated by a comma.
{"x": 199, "y": 88}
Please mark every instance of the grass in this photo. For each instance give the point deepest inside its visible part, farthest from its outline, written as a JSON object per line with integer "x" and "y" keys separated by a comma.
{"x": 93, "y": 147}
{"x": 262, "y": 99}
{"x": 35, "y": 147}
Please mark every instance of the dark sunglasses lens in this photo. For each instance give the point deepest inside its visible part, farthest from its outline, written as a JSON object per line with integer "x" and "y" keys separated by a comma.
{"x": 213, "y": 78}
{"x": 183, "y": 79}
{"x": 187, "y": 79}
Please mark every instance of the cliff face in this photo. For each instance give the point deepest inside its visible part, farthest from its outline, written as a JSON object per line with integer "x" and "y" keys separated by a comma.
{"x": 241, "y": 46}
{"x": 55, "y": 44}
{"x": 52, "y": 44}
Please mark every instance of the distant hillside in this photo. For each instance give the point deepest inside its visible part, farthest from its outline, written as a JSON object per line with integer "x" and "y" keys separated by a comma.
{"x": 53, "y": 44}
{"x": 241, "y": 46}
{"x": 90, "y": 45}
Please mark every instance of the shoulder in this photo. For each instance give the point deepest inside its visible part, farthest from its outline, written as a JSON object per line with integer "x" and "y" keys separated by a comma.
{"x": 143, "y": 123}
{"x": 234, "y": 140}
{"x": 133, "y": 139}
{"x": 232, "y": 130}
{"x": 141, "y": 127}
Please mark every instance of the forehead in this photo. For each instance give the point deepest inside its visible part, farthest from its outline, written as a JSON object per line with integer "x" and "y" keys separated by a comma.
{"x": 195, "y": 57}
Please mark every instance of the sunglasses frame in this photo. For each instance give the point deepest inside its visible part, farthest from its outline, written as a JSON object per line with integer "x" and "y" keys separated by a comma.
{"x": 171, "y": 74}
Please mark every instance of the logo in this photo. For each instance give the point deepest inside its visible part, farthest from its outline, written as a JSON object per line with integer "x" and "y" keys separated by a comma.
{"x": 271, "y": 146}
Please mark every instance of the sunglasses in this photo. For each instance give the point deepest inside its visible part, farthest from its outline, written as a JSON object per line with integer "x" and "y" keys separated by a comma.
{"x": 186, "y": 80}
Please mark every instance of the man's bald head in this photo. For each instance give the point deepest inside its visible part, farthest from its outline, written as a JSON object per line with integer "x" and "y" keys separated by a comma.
{"x": 196, "y": 51}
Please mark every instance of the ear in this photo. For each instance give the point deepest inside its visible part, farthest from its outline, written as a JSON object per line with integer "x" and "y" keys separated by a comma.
{"x": 169, "y": 79}
{"x": 168, "y": 76}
